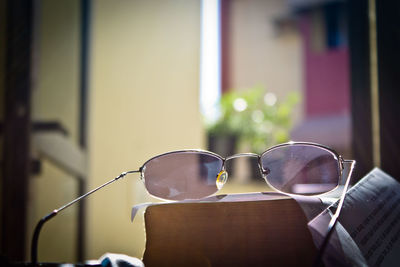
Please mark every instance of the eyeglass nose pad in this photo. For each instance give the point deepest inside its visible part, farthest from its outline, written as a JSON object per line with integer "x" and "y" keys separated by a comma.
{"x": 265, "y": 172}
{"x": 222, "y": 177}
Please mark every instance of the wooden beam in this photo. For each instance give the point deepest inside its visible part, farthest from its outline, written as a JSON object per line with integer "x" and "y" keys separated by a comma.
{"x": 16, "y": 128}
{"x": 60, "y": 150}
{"x": 388, "y": 43}
{"x": 84, "y": 88}
{"x": 360, "y": 86}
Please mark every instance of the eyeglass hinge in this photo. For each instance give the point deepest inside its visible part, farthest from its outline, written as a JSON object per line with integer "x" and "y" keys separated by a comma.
{"x": 141, "y": 173}
{"x": 341, "y": 162}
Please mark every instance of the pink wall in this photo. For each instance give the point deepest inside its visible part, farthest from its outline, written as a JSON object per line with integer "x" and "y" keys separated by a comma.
{"x": 326, "y": 80}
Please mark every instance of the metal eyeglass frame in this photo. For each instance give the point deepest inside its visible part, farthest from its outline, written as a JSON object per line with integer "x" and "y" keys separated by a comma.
{"x": 264, "y": 173}
{"x": 341, "y": 164}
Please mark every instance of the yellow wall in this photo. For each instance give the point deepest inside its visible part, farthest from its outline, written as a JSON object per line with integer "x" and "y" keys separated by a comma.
{"x": 144, "y": 100}
{"x": 55, "y": 97}
{"x": 260, "y": 53}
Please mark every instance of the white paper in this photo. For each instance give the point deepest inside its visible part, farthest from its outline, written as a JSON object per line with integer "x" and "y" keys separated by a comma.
{"x": 311, "y": 206}
{"x": 368, "y": 230}
{"x": 218, "y": 198}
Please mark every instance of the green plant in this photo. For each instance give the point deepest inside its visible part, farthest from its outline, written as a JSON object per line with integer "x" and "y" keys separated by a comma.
{"x": 256, "y": 117}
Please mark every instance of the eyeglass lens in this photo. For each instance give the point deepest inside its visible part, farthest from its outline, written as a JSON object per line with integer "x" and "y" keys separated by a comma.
{"x": 295, "y": 169}
{"x": 301, "y": 169}
{"x": 182, "y": 175}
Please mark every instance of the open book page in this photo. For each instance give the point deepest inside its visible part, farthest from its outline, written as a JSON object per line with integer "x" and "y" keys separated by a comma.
{"x": 368, "y": 230}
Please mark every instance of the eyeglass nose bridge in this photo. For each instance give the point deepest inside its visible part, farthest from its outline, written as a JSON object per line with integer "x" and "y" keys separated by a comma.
{"x": 251, "y": 155}
{"x": 242, "y": 155}
{"x": 264, "y": 172}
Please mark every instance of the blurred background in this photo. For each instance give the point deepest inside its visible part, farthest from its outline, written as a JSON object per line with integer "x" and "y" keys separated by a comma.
{"x": 92, "y": 88}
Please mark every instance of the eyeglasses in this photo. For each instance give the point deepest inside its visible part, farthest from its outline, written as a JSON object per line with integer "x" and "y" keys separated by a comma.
{"x": 296, "y": 168}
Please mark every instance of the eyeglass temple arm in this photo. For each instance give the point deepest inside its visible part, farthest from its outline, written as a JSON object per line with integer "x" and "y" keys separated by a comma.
{"x": 334, "y": 219}
{"x": 39, "y": 225}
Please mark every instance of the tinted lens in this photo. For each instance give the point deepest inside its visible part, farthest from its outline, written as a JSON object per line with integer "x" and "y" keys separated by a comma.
{"x": 301, "y": 169}
{"x": 182, "y": 175}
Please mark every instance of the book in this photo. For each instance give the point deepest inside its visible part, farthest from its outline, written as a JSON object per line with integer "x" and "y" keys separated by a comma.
{"x": 243, "y": 230}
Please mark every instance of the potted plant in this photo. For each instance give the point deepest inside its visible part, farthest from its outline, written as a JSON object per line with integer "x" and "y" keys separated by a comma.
{"x": 253, "y": 119}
